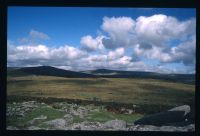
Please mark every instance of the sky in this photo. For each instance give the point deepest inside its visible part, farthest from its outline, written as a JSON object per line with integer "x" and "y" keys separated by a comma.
{"x": 159, "y": 40}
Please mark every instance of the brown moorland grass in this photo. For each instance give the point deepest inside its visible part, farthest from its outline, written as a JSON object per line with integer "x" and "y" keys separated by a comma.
{"x": 123, "y": 90}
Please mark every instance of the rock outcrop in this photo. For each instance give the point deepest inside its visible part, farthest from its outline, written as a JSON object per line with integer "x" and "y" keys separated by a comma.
{"x": 76, "y": 117}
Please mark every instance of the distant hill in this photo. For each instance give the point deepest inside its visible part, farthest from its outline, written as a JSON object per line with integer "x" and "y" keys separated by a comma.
{"x": 102, "y": 72}
{"x": 47, "y": 71}
{"x": 106, "y": 73}
{"x": 15, "y": 71}
{"x": 185, "y": 78}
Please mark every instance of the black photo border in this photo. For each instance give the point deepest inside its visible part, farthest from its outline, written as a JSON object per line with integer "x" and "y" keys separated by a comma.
{"x": 4, "y": 4}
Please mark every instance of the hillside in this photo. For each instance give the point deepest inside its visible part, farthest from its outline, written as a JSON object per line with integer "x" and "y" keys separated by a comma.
{"x": 185, "y": 78}
{"x": 106, "y": 73}
{"x": 47, "y": 71}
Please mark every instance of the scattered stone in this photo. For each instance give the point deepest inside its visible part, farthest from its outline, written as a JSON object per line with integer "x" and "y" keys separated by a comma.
{"x": 12, "y": 128}
{"x": 123, "y": 109}
{"x": 29, "y": 104}
{"x": 76, "y": 126}
{"x": 20, "y": 114}
{"x": 78, "y": 111}
{"x": 33, "y": 128}
{"x": 68, "y": 118}
{"x": 115, "y": 124}
{"x": 57, "y": 123}
{"x": 82, "y": 112}
{"x": 95, "y": 110}
{"x": 134, "y": 106}
{"x": 87, "y": 126}
{"x": 128, "y": 111}
{"x": 92, "y": 126}
{"x": 57, "y": 106}
{"x": 20, "y": 109}
{"x": 38, "y": 119}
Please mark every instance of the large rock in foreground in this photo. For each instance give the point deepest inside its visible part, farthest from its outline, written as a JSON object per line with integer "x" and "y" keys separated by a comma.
{"x": 176, "y": 116}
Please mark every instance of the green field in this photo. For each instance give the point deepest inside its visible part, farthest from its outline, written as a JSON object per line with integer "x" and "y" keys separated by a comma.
{"x": 122, "y": 90}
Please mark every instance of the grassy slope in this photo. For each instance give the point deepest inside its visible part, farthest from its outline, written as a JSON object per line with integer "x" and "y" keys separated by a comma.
{"x": 123, "y": 90}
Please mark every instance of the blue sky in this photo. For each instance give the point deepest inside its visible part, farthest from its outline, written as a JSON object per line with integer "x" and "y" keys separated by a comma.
{"x": 82, "y": 35}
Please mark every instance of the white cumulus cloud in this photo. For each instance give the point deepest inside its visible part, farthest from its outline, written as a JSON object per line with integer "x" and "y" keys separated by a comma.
{"x": 124, "y": 43}
{"x": 158, "y": 29}
{"x": 118, "y": 53}
{"x": 120, "y": 31}
{"x": 34, "y": 37}
{"x": 91, "y": 44}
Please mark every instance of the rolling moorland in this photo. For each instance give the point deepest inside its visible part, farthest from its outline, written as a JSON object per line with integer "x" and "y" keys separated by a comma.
{"x": 97, "y": 95}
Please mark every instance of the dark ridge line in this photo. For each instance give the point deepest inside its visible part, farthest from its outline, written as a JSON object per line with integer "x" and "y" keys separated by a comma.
{"x": 104, "y": 73}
